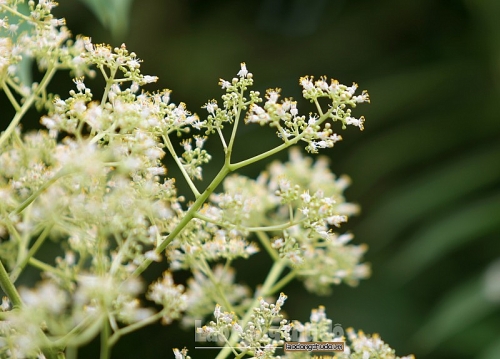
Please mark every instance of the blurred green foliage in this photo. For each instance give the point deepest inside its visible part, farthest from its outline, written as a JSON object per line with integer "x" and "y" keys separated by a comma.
{"x": 426, "y": 170}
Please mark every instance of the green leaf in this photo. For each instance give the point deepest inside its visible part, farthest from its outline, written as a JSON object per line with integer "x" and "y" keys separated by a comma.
{"x": 491, "y": 352}
{"x": 113, "y": 14}
{"x": 458, "y": 310}
{"x": 439, "y": 237}
{"x": 427, "y": 193}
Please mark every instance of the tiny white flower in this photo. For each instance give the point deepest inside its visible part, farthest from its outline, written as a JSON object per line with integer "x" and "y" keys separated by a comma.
{"x": 278, "y": 243}
{"x": 352, "y": 89}
{"x": 293, "y": 109}
{"x": 149, "y": 79}
{"x": 345, "y": 238}
{"x": 224, "y": 84}
{"x": 211, "y": 107}
{"x": 312, "y": 120}
{"x": 5, "y": 304}
{"x": 281, "y": 299}
{"x": 306, "y": 197}
{"x": 177, "y": 353}
{"x": 306, "y": 83}
{"x": 79, "y": 84}
{"x": 217, "y": 311}
{"x": 243, "y": 72}
{"x": 272, "y": 96}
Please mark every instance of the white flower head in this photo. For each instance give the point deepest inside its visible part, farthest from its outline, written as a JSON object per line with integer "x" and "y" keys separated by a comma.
{"x": 217, "y": 311}
{"x": 243, "y": 72}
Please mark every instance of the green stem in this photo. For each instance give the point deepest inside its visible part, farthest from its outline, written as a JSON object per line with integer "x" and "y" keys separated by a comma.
{"x": 221, "y": 136}
{"x": 42, "y": 188}
{"x": 45, "y": 267}
{"x": 102, "y": 134}
{"x": 10, "y": 96}
{"x": 208, "y": 272}
{"x": 71, "y": 352}
{"x": 264, "y": 155}
{"x": 266, "y": 243}
{"x": 17, "y": 13}
{"x": 109, "y": 83}
{"x": 27, "y": 104}
{"x": 283, "y": 281}
{"x": 188, "y": 216}
{"x": 82, "y": 333}
{"x": 17, "y": 271}
{"x": 171, "y": 149}
{"x": 276, "y": 227}
{"x": 133, "y": 327}
{"x": 8, "y": 288}
{"x": 318, "y": 107}
{"x": 283, "y": 146}
{"x": 105, "y": 347}
{"x": 235, "y": 128}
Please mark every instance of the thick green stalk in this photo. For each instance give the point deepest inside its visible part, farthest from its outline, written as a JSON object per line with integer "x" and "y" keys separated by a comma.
{"x": 187, "y": 217}
{"x": 105, "y": 347}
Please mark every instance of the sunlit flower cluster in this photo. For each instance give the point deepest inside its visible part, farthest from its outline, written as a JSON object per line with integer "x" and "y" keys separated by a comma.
{"x": 95, "y": 182}
{"x": 260, "y": 336}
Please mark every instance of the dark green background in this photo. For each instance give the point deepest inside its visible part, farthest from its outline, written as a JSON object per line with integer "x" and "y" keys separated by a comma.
{"x": 426, "y": 170}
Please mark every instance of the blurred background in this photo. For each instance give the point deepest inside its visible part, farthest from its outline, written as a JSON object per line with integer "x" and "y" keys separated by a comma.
{"x": 426, "y": 170}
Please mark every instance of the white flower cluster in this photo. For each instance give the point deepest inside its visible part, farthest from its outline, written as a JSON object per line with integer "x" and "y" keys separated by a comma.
{"x": 202, "y": 292}
{"x": 314, "y": 130}
{"x": 301, "y": 222}
{"x": 95, "y": 181}
{"x": 259, "y": 336}
{"x": 359, "y": 345}
{"x": 318, "y": 329}
{"x": 171, "y": 296}
{"x": 364, "y": 347}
